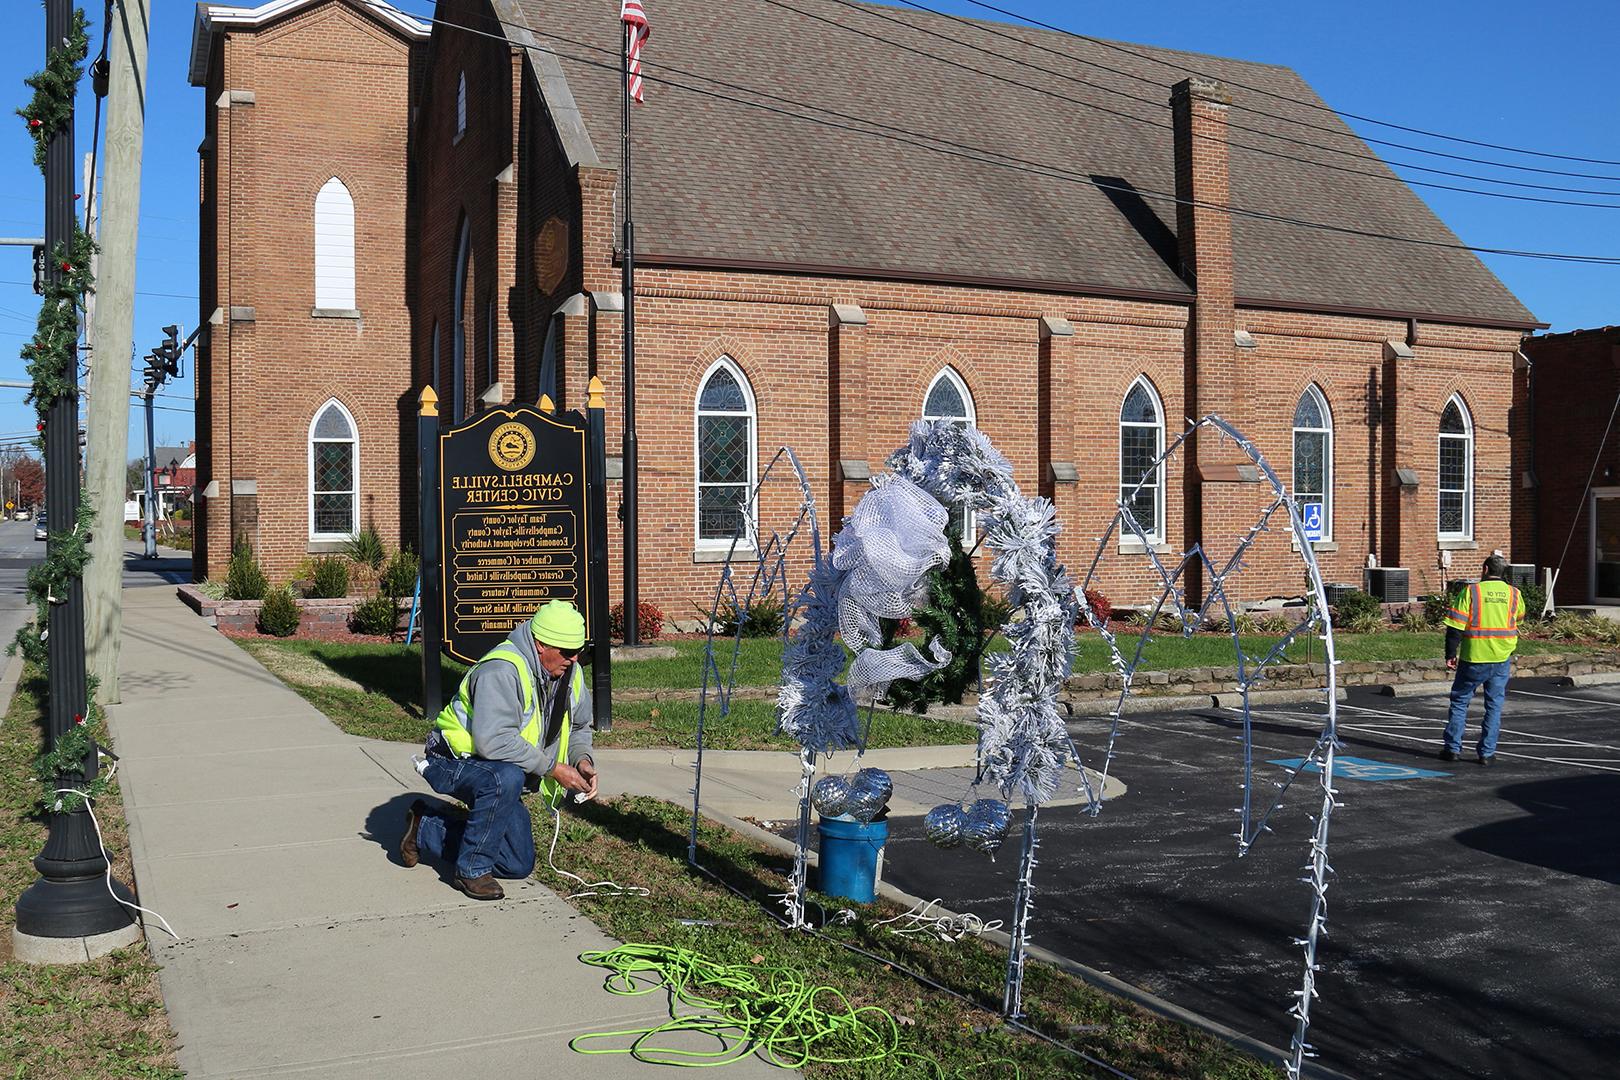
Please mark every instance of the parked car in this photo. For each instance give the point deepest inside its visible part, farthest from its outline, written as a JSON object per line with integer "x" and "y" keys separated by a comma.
{"x": 40, "y": 531}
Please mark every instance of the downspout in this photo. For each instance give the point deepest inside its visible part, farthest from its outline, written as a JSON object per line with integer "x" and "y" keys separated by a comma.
{"x": 1530, "y": 451}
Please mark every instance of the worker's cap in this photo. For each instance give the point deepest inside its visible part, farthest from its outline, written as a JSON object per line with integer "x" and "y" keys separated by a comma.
{"x": 559, "y": 624}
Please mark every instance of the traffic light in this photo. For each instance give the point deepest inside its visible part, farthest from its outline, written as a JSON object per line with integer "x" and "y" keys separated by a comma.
{"x": 169, "y": 351}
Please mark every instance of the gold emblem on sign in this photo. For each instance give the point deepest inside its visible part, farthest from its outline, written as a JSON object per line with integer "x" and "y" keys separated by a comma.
{"x": 511, "y": 447}
{"x": 550, "y": 254}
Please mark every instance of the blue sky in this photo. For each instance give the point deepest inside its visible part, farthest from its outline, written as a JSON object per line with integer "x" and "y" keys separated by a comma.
{"x": 1531, "y": 76}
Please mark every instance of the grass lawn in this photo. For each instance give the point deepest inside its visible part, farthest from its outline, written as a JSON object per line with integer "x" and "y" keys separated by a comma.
{"x": 751, "y": 725}
{"x": 103, "y": 1020}
{"x": 642, "y": 841}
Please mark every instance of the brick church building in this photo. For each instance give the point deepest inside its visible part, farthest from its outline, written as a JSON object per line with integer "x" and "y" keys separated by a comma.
{"x": 847, "y": 217}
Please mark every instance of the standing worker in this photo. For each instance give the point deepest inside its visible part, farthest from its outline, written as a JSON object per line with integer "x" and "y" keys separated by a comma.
{"x": 1483, "y": 626}
{"x": 521, "y": 720}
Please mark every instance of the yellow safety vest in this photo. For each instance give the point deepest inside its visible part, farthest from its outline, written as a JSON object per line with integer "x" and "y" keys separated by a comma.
{"x": 460, "y": 740}
{"x": 1488, "y": 616}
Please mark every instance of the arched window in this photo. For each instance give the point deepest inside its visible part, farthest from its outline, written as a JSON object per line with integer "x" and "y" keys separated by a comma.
{"x": 334, "y": 247}
{"x": 725, "y": 456}
{"x": 1313, "y": 460}
{"x": 1141, "y": 441}
{"x": 334, "y": 474}
{"x": 458, "y": 327}
{"x": 948, "y": 398}
{"x": 1456, "y": 472}
{"x": 461, "y": 105}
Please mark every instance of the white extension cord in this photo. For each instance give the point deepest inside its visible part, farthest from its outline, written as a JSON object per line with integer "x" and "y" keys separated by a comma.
{"x": 107, "y": 858}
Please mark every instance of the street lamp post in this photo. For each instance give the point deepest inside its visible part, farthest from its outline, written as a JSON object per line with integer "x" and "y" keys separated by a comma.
{"x": 70, "y": 912}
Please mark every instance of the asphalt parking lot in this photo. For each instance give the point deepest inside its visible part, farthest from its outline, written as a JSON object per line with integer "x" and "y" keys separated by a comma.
{"x": 1472, "y": 921}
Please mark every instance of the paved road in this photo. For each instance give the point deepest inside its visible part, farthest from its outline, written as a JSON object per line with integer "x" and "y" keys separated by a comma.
{"x": 19, "y": 550}
{"x": 1472, "y": 915}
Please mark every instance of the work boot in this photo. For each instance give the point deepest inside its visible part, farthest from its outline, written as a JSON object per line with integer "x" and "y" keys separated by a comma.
{"x": 1448, "y": 755}
{"x": 1487, "y": 760}
{"x": 484, "y": 887}
{"x": 408, "y": 853}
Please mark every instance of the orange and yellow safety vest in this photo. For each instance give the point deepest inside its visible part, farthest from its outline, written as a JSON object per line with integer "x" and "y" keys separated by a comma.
{"x": 1488, "y": 615}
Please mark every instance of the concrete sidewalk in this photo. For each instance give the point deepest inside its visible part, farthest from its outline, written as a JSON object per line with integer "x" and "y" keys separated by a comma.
{"x": 266, "y": 837}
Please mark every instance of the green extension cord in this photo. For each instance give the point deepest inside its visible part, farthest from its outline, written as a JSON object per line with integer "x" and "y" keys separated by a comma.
{"x": 773, "y": 1012}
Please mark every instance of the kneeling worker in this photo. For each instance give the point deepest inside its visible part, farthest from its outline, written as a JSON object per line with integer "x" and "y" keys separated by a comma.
{"x": 522, "y": 718}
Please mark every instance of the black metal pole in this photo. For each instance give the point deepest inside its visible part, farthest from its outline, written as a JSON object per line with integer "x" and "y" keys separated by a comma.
{"x": 596, "y": 511}
{"x": 632, "y": 592}
{"x": 71, "y": 899}
{"x": 427, "y": 501}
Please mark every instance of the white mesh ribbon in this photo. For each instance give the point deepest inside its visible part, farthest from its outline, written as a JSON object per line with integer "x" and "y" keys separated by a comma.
{"x": 878, "y": 569}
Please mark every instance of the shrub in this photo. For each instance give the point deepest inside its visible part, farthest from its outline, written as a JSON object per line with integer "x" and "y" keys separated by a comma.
{"x": 331, "y": 578}
{"x": 1415, "y": 619}
{"x": 761, "y": 618}
{"x": 367, "y": 548}
{"x": 399, "y": 579}
{"x": 1101, "y": 609}
{"x": 1358, "y": 612}
{"x": 376, "y": 615}
{"x": 244, "y": 580}
{"x": 1535, "y": 598}
{"x": 278, "y": 615}
{"x": 1435, "y": 608}
{"x": 1275, "y": 623}
{"x": 649, "y": 621}
{"x": 214, "y": 590}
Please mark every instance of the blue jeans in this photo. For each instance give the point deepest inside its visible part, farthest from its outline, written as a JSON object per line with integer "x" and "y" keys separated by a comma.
{"x": 1494, "y": 677}
{"x": 497, "y": 837}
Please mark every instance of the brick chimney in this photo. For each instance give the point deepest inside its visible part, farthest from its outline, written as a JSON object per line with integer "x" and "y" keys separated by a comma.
{"x": 1204, "y": 241}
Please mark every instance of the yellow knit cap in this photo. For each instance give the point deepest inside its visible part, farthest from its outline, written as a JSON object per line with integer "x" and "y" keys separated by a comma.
{"x": 559, "y": 624}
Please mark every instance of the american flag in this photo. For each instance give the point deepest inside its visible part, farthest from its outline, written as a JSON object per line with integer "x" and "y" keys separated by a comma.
{"x": 635, "y": 17}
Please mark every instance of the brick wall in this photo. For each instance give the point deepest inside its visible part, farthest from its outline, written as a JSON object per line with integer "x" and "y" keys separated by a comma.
{"x": 288, "y": 109}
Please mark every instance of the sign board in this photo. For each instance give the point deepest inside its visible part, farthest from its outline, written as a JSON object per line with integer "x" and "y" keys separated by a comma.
{"x": 1311, "y": 516}
{"x": 513, "y": 524}
{"x": 39, "y": 269}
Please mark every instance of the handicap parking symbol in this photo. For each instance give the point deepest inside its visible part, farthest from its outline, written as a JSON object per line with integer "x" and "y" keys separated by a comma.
{"x": 1354, "y": 768}
{"x": 1310, "y": 516}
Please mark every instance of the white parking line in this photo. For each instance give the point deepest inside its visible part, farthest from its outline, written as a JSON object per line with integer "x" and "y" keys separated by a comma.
{"x": 1567, "y": 697}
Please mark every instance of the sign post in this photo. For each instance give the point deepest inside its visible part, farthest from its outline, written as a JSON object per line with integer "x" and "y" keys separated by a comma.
{"x": 601, "y": 649}
{"x": 427, "y": 502}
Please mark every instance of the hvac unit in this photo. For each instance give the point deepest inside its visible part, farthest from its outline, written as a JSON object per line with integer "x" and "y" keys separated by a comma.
{"x": 1390, "y": 584}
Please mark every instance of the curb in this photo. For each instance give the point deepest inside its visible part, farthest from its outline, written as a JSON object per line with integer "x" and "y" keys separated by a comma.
{"x": 955, "y": 756}
{"x": 1151, "y": 703}
{"x": 1591, "y": 678}
{"x": 1417, "y": 689}
{"x": 8, "y": 683}
{"x": 1092, "y": 977}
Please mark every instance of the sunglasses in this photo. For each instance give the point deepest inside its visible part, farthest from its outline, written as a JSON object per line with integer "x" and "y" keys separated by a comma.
{"x": 568, "y": 654}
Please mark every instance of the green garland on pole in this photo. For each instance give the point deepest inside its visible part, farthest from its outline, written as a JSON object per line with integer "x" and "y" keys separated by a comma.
{"x": 955, "y": 615}
{"x": 51, "y": 110}
{"x": 52, "y": 358}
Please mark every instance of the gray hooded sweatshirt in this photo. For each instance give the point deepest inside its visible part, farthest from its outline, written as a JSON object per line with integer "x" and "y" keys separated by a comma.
{"x": 497, "y": 711}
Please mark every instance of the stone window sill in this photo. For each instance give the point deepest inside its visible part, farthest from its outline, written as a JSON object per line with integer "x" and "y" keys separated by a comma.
{"x": 334, "y": 313}
{"x": 326, "y": 547}
{"x": 1458, "y": 545}
{"x": 718, "y": 555}
{"x": 1136, "y": 547}
{"x": 1316, "y": 545}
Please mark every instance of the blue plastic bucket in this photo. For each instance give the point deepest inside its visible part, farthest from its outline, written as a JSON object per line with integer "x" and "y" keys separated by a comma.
{"x": 849, "y": 856}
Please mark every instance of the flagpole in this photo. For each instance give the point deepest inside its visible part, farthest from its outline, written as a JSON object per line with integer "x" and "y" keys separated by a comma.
{"x": 632, "y": 610}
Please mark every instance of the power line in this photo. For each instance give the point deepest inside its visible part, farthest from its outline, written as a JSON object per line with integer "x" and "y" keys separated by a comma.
{"x": 1117, "y": 47}
{"x": 936, "y": 144}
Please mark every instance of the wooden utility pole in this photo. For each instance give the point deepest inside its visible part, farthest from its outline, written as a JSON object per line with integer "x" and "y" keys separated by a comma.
{"x": 112, "y": 330}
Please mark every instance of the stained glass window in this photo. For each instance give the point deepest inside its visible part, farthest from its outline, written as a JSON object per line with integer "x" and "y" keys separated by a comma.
{"x": 948, "y": 399}
{"x": 1313, "y": 457}
{"x": 1456, "y": 486}
{"x": 1141, "y": 441}
{"x": 334, "y": 494}
{"x": 725, "y": 456}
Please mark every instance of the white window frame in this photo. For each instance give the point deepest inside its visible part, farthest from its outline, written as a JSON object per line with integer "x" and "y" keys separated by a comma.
{"x": 1326, "y": 432}
{"x": 334, "y": 247}
{"x": 458, "y": 326}
{"x": 354, "y": 478}
{"x": 1155, "y": 531}
{"x": 751, "y": 510}
{"x": 970, "y": 523}
{"x": 1466, "y": 437}
{"x": 461, "y": 106}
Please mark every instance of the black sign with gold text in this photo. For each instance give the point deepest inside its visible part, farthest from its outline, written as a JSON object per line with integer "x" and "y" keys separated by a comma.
{"x": 513, "y": 524}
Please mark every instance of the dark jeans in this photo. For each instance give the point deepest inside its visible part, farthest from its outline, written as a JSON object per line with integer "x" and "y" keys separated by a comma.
{"x": 497, "y": 836}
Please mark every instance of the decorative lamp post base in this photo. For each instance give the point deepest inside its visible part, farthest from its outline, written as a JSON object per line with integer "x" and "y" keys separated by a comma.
{"x": 71, "y": 922}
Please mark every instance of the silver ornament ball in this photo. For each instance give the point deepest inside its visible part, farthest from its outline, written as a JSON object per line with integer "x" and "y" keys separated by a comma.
{"x": 943, "y": 826}
{"x": 830, "y": 796}
{"x": 868, "y": 794}
{"x": 984, "y": 826}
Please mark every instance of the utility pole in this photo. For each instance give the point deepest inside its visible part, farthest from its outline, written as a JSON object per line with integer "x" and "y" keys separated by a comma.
{"x": 71, "y": 912}
{"x": 112, "y": 332}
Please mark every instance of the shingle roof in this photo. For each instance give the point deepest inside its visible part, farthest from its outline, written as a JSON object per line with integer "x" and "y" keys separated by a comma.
{"x": 717, "y": 179}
